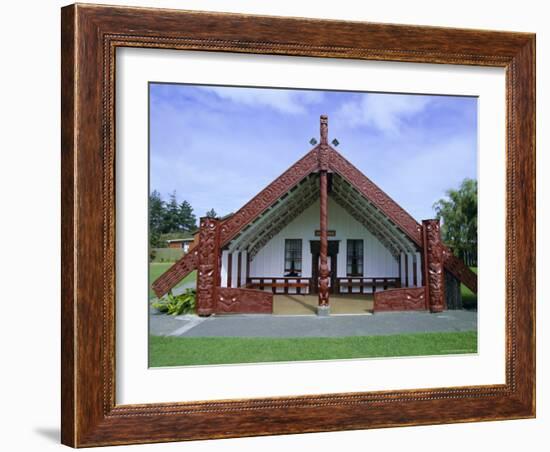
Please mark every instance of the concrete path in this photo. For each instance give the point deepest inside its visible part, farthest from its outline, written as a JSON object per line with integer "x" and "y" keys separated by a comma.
{"x": 312, "y": 326}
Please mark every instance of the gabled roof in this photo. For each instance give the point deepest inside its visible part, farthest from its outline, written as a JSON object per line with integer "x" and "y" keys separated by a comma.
{"x": 379, "y": 213}
{"x": 301, "y": 170}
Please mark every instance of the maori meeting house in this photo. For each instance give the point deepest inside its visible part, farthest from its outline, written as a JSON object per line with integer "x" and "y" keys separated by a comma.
{"x": 321, "y": 229}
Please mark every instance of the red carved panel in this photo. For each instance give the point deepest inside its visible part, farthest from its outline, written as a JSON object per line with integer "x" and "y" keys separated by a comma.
{"x": 176, "y": 273}
{"x": 405, "y": 299}
{"x": 460, "y": 270}
{"x": 375, "y": 195}
{"x": 244, "y": 301}
{"x": 433, "y": 265}
{"x": 302, "y": 168}
{"x": 208, "y": 274}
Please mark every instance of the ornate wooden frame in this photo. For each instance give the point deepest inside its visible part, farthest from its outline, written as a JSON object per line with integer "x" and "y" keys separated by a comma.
{"x": 90, "y": 35}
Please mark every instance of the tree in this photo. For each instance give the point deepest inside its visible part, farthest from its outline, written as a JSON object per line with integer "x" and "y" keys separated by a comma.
{"x": 187, "y": 219}
{"x": 171, "y": 221}
{"x": 211, "y": 214}
{"x": 178, "y": 217}
{"x": 156, "y": 218}
{"x": 168, "y": 218}
{"x": 458, "y": 213}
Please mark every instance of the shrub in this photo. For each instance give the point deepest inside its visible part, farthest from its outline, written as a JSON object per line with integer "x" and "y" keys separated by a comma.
{"x": 177, "y": 304}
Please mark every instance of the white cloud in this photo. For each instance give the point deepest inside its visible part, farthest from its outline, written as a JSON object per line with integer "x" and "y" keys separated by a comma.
{"x": 382, "y": 111}
{"x": 284, "y": 101}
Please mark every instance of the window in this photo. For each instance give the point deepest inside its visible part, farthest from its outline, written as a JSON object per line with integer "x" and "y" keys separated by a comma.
{"x": 355, "y": 258}
{"x": 293, "y": 257}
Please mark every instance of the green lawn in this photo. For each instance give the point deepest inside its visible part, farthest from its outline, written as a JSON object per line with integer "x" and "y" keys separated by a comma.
{"x": 181, "y": 351}
{"x": 158, "y": 268}
{"x": 469, "y": 299}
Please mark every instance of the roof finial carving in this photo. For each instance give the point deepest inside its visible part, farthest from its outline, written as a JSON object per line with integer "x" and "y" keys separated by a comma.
{"x": 324, "y": 129}
{"x": 323, "y": 146}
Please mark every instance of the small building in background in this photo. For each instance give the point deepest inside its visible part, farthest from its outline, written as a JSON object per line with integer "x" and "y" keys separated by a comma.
{"x": 183, "y": 243}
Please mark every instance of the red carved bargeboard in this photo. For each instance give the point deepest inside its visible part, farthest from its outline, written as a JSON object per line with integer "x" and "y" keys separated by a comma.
{"x": 233, "y": 225}
{"x": 184, "y": 266}
{"x": 301, "y": 169}
{"x": 460, "y": 270}
{"x": 376, "y": 196}
{"x": 405, "y": 299}
{"x": 244, "y": 301}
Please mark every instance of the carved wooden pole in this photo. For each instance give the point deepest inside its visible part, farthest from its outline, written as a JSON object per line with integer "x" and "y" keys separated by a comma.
{"x": 434, "y": 275}
{"x": 323, "y": 265}
{"x": 209, "y": 265}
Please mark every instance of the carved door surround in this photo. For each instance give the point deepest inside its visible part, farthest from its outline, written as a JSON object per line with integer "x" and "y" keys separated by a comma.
{"x": 333, "y": 247}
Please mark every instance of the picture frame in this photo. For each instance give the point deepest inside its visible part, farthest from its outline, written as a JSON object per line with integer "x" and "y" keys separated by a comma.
{"x": 90, "y": 36}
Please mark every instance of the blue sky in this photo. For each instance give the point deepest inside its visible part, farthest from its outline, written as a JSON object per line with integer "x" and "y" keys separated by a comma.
{"x": 217, "y": 147}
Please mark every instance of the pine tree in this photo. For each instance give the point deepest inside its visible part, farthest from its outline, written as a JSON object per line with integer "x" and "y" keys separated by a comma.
{"x": 211, "y": 214}
{"x": 156, "y": 218}
{"x": 168, "y": 217}
{"x": 171, "y": 221}
{"x": 187, "y": 219}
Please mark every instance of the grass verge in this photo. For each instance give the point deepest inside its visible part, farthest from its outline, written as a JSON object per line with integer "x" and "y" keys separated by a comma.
{"x": 182, "y": 351}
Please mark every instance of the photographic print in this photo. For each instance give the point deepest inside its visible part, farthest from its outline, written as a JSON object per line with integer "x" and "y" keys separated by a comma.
{"x": 296, "y": 225}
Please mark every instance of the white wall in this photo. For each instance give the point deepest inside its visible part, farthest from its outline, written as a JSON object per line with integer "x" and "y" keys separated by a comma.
{"x": 378, "y": 261}
{"x": 223, "y": 269}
